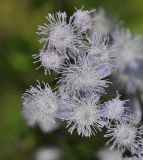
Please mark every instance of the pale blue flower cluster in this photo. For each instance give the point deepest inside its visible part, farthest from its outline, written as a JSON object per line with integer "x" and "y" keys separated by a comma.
{"x": 84, "y": 58}
{"x": 129, "y": 55}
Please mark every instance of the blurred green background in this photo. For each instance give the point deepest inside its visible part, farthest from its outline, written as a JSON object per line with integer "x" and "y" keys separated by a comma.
{"x": 18, "y": 41}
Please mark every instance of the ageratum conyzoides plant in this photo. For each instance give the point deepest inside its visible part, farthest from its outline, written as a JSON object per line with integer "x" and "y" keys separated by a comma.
{"x": 84, "y": 59}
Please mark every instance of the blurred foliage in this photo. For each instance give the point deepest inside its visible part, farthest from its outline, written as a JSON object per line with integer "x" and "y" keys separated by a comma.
{"x": 18, "y": 41}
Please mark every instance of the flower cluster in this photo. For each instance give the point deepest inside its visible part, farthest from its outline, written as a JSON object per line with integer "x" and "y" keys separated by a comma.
{"x": 129, "y": 55}
{"x": 130, "y": 59}
{"x": 84, "y": 59}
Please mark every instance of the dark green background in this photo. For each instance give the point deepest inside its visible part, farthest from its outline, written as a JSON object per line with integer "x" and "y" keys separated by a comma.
{"x": 18, "y": 41}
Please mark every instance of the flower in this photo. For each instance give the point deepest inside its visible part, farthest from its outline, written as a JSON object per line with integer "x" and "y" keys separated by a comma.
{"x": 58, "y": 34}
{"x": 130, "y": 79}
{"x": 124, "y": 134}
{"x": 102, "y": 49}
{"x": 39, "y": 104}
{"x": 86, "y": 74}
{"x": 47, "y": 153}
{"x": 106, "y": 154}
{"x": 130, "y": 60}
{"x": 126, "y": 80}
{"x": 82, "y": 114}
{"x": 48, "y": 127}
{"x": 49, "y": 60}
{"x": 130, "y": 49}
{"x": 104, "y": 23}
{"x": 83, "y": 20}
{"x": 114, "y": 109}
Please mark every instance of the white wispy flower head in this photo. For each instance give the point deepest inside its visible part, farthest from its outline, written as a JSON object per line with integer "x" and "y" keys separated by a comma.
{"x": 126, "y": 80}
{"x": 83, "y": 19}
{"x": 48, "y": 126}
{"x": 102, "y": 49}
{"x": 130, "y": 79}
{"x": 130, "y": 49}
{"x": 47, "y": 153}
{"x": 103, "y": 23}
{"x": 114, "y": 109}
{"x": 106, "y": 154}
{"x": 58, "y": 34}
{"x": 40, "y": 104}
{"x": 86, "y": 74}
{"x": 49, "y": 59}
{"x": 82, "y": 114}
{"x": 124, "y": 134}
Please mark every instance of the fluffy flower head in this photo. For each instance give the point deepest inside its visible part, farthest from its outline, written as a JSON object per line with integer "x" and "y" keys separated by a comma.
{"x": 49, "y": 60}
{"x": 83, "y": 19}
{"x": 106, "y": 154}
{"x": 104, "y": 23}
{"x": 115, "y": 108}
{"x": 58, "y": 34}
{"x": 48, "y": 126}
{"x": 130, "y": 49}
{"x": 124, "y": 134}
{"x": 39, "y": 104}
{"x": 83, "y": 114}
{"x": 47, "y": 153}
{"x": 102, "y": 49}
{"x": 86, "y": 74}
